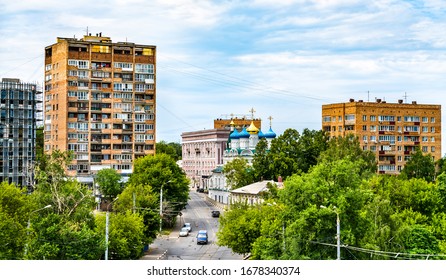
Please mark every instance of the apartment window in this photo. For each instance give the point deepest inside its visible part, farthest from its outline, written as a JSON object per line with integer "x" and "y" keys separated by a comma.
{"x": 373, "y": 138}
{"x": 340, "y": 128}
{"x": 373, "y": 118}
{"x": 399, "y": 138}
{"x": 432, "y": 149}
{"x": 386, "y": 128}
{"x": 432, "y": 139}
{"x": 424, "y": 149}
{"x": 386, "y": 118}
{"x": 340, "y": 118}
{"x": 433, "y": 129}
{"x": 425, "y": 129}
{"x": 123, "y": 65}
{"x": 424, "y": 139}
{"x": 144, "y": 68}
{"x": 400, "y": 148}
{"x": 373, "y": 148}
{"x": 373, "y": 128}
{"x": 412, "y": 128}
{"x": 411, "y": 119}
{"x": 326, "y": 119}
{"x": 349, "y": 117}
{"x": 398, "y": 119}
{"x": 364, "y": 138}
{"x": 400, "y": 158}
{"x": 364, "y": 128}
{"x": 364, "y": 118}
{"x": 425, "y": 119}
{"x": 387, "y": 138}
{"x": 432, "y": 120}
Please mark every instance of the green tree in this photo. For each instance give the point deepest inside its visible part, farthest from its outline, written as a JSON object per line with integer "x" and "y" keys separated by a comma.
{"x": 67, "y": 229}
{"x": 172, "y": 149}
{"x": 126, "y": 235}
{"x": 348, "y": 148}
{"x": 311, "y": 144}
{"x": 261, "y": 161}
{"x": 238, "y": 173}
{"x": 109, "y": 183}
{"x": 284, "y": 154}
{"x": 161, "y": 171}
{"x": 419, "y": 166}
{"x": 15, "y": 209}
{"x": 239, "y": 228}
{"x": 141, "y": 199}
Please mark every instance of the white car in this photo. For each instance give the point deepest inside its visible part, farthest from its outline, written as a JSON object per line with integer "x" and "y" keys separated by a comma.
{"x": 184, "y": 232}
{"x": 188, "y": 226}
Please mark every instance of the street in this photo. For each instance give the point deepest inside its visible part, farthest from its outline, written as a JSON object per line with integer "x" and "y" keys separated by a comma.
{"x": 173, "y": 247}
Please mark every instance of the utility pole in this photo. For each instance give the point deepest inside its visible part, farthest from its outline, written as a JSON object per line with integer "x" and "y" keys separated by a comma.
{"x": 106, "y": 228}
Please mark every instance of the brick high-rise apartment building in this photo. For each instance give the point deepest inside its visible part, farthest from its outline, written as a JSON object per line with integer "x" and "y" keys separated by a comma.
{"x": 100, "y": 101}
{"x": 391, "y": 130}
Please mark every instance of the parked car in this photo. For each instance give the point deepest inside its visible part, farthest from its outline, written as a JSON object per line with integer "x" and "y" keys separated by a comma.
{"x": 215, "y": 213}
{"x": 188, "y": 226}
{"x": 202, "y": 237}
{"x": 184, "y": 232}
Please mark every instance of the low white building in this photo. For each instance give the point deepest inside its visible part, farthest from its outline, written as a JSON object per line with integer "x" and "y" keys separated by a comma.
{"x": 218, "y": 191}
{"x": 251, "y": 194}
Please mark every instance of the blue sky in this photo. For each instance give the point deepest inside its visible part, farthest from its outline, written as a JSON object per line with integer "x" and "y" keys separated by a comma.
{"x": 283, "y": 58}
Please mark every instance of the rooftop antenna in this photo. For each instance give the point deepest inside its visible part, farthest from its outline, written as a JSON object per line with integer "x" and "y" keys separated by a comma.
{"x": 87, "y": 31}
{"x": 368, "y": 96}
{"x": 270, "y": 121}
{"x": 405, "y": 97}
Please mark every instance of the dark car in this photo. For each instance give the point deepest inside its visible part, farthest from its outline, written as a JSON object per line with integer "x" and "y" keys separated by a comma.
{"x": 200, "y": 190}
{"x": 215, "y": 214}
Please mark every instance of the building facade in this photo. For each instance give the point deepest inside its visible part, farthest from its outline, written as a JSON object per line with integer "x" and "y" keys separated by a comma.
{"x": 390, "y": 130}
{"x": 202, "y": 152}
{"x": 19, "y": 113}
{"x": 100, "y": 102}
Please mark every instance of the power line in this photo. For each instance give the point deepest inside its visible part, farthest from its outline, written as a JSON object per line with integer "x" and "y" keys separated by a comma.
{"x": 394, "y": 255}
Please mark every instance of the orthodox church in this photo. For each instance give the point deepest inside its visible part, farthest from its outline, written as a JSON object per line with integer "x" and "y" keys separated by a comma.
{"x": 243, "y": 143}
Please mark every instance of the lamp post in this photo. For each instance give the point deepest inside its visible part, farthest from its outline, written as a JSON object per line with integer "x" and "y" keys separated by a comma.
{"x": 161, "y": 205}
{"x": 106, "y": 228}
{"x": 338, "y": 232}
{"x": 28, "y": 226}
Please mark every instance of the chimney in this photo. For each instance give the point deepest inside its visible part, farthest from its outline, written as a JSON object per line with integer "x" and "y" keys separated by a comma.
{"x": 414, "y": 102}
{"x": 400, "y": 101}
{"x": 378, "y": 100}
{"x": 352, "y": 100}
{"x": 360, "y": 101}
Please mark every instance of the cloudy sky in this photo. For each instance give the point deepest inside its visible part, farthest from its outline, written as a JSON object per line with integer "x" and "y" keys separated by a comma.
{"x": 283, "y": 58}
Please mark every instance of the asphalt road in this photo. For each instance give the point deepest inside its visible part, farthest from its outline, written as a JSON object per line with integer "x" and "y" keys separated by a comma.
{"x": 173, "y": 247}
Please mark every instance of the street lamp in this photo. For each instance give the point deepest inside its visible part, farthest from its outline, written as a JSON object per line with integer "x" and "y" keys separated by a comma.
{"x": 161, "y": 204}
{"x": 106, "y": 228}
{"x": 338, "y": 231}
{"x": 29, "y": 224}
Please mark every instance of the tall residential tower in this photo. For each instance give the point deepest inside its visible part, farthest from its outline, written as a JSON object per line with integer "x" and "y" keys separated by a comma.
{"x": 100, "y": 101}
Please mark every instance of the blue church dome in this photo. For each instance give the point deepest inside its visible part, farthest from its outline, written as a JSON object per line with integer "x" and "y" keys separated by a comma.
{"x": 244, "y": 133}
{"x": 261, "y": 135}
{"x": 234, "y": 135}
{"x": 270, "y": 134}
